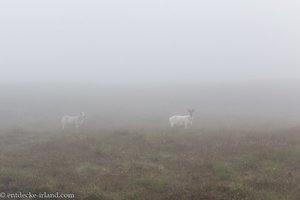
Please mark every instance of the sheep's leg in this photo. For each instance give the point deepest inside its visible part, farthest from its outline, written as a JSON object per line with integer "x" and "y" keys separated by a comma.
{"x": 172, "y": 125}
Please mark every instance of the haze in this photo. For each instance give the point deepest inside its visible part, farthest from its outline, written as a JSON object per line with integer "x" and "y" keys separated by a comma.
{"x": 90, "y": 91}
{"x": 231, "y": 60}
{"x": 154, "y": 41}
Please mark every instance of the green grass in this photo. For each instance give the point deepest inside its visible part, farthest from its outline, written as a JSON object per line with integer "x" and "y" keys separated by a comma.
{"x": 151, "y": 183}
{"x": 222, "y": 171}
{"x": 153, "y": 164}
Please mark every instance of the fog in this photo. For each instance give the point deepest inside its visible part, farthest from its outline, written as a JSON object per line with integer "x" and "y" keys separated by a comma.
{"x": 137, "y": 63}
{"x": 96, "y": 99}
{"x": 41, "y": 106}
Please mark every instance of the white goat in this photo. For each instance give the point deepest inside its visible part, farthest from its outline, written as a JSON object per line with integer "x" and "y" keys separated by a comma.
{"x": 182, "y": 120}
{"x": 77, "y": 121}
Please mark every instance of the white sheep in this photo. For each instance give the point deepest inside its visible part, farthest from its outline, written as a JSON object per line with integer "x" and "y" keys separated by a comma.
{"x": 77, "y": 120}
{"x": 182, "y": 120}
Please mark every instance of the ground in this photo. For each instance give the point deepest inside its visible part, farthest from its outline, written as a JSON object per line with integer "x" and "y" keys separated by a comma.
{"x": 147, "y": 164}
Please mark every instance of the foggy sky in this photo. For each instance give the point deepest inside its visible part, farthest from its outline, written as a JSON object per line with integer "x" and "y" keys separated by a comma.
{"x": 150, "y": 41}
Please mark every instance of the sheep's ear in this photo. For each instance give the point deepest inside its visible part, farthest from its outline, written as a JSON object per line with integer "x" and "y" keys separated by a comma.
{"x": 191, "y": 110}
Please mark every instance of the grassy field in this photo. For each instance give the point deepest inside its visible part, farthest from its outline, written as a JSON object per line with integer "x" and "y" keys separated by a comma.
{"x": 152, "y": 164}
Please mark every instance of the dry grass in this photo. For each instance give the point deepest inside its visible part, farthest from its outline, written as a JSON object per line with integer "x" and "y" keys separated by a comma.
{"x": 153, "y": 164}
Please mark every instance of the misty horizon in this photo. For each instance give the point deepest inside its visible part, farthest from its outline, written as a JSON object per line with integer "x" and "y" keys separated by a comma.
{"x": 42, "y": 105}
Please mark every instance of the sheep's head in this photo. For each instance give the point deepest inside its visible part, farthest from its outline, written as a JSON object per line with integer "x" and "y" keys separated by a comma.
{"x": 82, "y": 116}
{"x": 191, "y": 111}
